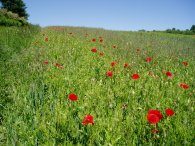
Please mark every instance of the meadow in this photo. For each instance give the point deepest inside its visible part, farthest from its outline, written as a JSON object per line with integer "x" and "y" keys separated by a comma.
{"x": 90, "y": 87}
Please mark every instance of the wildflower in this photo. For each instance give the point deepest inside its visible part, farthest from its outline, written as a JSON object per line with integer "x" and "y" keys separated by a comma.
{"x": 109, "y": 74}
{"x": 88, "y": 119}
{"x": 94, "y": 50}
{"x": 169, "y": 112}
{"x": 154, "y": 116}
{"x": 184, "y": 86}
{"x": 93, "y": 40}
{"x": 46, "y": 62}
{"x": 112, "y": 64}
{"x": 101, "y": 53}
{"x": 113, "y": 46}
{"x": 101, "y": 40}
{"x": 169, "y": 74}
{"x": 57, "y": 65}
{"x": 135, "y": 76}
{"x": 125, "y": 65}
{"x": 148, "y": 59}
{"x": 185, "y": 63}
{"x": 46, "y": 39}
{"x": 72, "y": 97}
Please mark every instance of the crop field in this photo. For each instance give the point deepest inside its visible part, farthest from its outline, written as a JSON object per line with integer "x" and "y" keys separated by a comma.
{"x": 76, "y": 86}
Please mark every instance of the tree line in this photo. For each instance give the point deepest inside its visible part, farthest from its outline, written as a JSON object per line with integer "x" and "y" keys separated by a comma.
{"x": 190, "y": 31}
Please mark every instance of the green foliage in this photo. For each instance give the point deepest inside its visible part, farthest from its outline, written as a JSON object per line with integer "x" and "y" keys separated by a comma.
{"x": 15, "y": 6}
{"x": 41, "y": 114}
{"x": 8, "y": 18}
{"x": 192, "y": 28}
{"x": 186, "y": 32}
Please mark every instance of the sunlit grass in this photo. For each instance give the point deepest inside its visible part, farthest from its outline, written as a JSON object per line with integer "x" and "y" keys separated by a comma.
{"x": 42, "y": 114}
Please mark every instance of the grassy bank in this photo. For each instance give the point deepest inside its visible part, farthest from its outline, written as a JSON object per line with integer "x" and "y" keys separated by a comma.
{"x": 60, "y": 61}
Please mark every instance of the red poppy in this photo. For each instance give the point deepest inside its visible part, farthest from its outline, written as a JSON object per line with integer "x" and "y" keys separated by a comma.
{"x": 113, "y": 46}
{"x": 46, "y": 39}
{"x": 88, "y": 119}
{"x": 57, "y": 64}
{"x": 109, "y": 74}
{"x": 101, "y": 53}
{"x": 156, "y": 112}
{"x": 169, "y": 74}
{"x": 169, "y": 112}
{"x": 154, "y": 116}
{"x": 135, "y": 76}
{"x": 46, "y": 62}
{"x": 112, "y": 64}
{"x": 148, "y": 59}
{"x": 93, "y": 40}
{"x": 101, "y": 40}
{"x": 185, "y": 63}
{"x": 153, "y": 119}
{"x": 125, "y": 65}
{"x": 94, "y": 50}
{"x": 184, "y": 86}
{"x": 72, "y": 97}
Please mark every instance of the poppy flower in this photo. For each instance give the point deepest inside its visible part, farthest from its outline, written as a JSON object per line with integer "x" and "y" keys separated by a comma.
{"x": 156, "y": 112}
{"x": 112, "y": 64}
{"x": 154, "y": 116}
{"x": 185, "y": 63}
{"x": 93, "y": 40}
{"x": 113, "y": 46}
{"x": 46, "y": 39}
{"x": 135, "y": 76}
{"x": 184, "y": 86}
{"x": 125, "y": 65}
{"x": 148, "y": 59}
{"x": 46, "y": 62}
{"x": 101, "y": 40}
{"x": 109, "y": 74}
{"x": 88, "y": 119}
{"x": 169, "y": 74}
{"x": 57, "y": 64}
{"x": 94, "y": 50}
{"x": 72, "y": 97}
{"x": 169, "y": 112}
{"x": 101, "y": 53}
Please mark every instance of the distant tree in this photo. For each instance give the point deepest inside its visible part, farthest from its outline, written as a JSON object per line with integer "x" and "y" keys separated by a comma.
{"x": 173, "y": 29}
{"x": 192, "y": 28}
{"x": 15, "y": 6}
{"x": 142, "y": 30}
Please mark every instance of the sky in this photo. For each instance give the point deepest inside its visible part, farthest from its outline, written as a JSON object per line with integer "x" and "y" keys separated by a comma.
{"x": 113, "y": 14}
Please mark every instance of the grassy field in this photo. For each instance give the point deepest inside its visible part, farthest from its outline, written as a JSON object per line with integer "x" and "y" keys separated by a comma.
{"x": 85, "y": 86}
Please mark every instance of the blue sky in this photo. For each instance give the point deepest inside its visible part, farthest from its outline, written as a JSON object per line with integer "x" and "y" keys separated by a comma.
{"x": 113, "y": 14}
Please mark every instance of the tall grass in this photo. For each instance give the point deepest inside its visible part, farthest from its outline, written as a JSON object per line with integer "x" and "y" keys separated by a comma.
{"x": 41, "y": 113}
{"x": 12, "y": 41}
